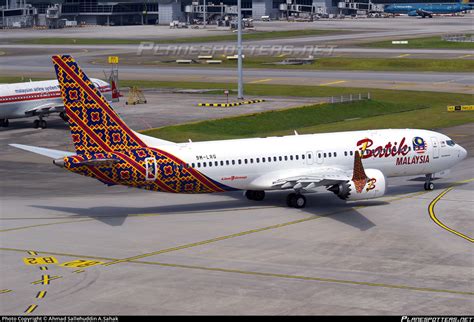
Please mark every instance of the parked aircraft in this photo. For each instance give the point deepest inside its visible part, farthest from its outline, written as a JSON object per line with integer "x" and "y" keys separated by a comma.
{"x": 353, "y": 165}
{"x": 40, "y": 99}
{"x": 427, "y": 9}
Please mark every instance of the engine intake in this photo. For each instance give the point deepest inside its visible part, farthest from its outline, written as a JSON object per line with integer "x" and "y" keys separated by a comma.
{"x": 375, "y": 187}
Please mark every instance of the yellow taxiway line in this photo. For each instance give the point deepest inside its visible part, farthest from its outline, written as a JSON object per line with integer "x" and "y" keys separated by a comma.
{"x": 260, "y": 81}
{"x": 438, "y": 222}
{"x": 333, "y": 83}
{"x": 403, "y": 55}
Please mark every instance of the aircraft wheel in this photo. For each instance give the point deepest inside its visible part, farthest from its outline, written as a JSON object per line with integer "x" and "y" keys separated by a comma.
{"x": 255, "y": 195}
{"x": 63, "y": 115}
{"x": 295, "y": 200}
{"x": 289, "y": 199}
{"x": 299, "y": 201}
{"x": 429, "y": 186}
{"x": 43, "y": 124}
{"x": 36, "y": 124}
{"x": 259, "y": 195}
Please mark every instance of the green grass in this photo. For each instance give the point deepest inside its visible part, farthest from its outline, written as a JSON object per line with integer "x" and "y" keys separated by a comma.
{"x": 388, "y": 109}
{"x": 216, "y": 38}
{"x": 422, "y": 43}
{"x": 16, "y": 79}
{"x": 341, "y": 63}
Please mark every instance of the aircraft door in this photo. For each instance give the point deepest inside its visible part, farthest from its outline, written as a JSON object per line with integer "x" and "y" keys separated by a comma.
{"x": 151, "y": 169}
{"x": 319, "y": 157}
{"x": 309, "y": 158}
{"x": 434, "y": 142}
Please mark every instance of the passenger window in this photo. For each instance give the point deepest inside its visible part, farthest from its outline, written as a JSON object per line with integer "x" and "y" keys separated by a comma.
{"x": 324, "y": 155}
{"x": 279, "y": 158}
{"x": 246, "y": 161}
{"x": 199, "y": 164}
{"x": 335, "y": 154}
{"x": 352, "y": 153}
{"x": 204, "y": 164}
{"x": 345, "y": 153}
{"x": 251, "y": 160}
{"x": 240, "y": 161}
{"x": 291, "y": 157}
{"x": 329, "y": 154}
{"x": 216, "y": 163}
{"x": 222, "y": 163}
{"x": 286, "y": 158}
{"x": 319, "y": 155}
{"x": 274, "y": 159}
{"x": 263, "y": 160}
{"x": 210, "y": 164}
{"x": 193, "y": 165}
{"x": 233, "y": 162}
{"x": 302, "y": 157}
{"x": 226, "y": 162}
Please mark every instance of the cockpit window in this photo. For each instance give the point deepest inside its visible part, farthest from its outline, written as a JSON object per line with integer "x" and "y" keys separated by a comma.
{"x": 450, "y": 142}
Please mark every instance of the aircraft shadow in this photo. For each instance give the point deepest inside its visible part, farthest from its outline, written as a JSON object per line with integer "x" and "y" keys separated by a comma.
{"x": 324, "y": 205}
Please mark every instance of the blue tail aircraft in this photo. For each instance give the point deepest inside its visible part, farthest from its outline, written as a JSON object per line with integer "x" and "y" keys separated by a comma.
{"x": 427, "y": 9}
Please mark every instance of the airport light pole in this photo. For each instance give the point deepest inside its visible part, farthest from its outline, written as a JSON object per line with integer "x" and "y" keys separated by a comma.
{"x": 205, "y": 14}
{"x": 240, "y": 91}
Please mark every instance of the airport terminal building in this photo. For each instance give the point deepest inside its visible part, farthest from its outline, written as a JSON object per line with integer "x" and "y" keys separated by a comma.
{"x": 20, "y": 13}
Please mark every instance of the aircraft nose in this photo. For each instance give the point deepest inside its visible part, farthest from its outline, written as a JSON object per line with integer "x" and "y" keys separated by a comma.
{"x": 462, "y": 153}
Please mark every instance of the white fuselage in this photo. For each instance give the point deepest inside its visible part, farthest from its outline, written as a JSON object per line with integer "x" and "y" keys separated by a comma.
{"x": 256, "y": 163}
{"x": 16, "y": 100}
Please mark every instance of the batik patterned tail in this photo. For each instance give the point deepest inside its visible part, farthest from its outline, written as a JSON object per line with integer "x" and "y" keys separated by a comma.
{"x": 95, "y": 126}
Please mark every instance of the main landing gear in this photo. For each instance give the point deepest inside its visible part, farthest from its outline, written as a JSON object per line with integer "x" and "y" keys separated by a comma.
{"x": 428, "y": 184}
{"x": 294, "y": 200}
{"x": 40, "y": 123}
{"x": 4, "y": 123}
{"x": 256, "y": 195}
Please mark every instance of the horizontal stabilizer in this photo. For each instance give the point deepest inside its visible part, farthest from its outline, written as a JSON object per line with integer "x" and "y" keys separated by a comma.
{"x": 54, "y": 154}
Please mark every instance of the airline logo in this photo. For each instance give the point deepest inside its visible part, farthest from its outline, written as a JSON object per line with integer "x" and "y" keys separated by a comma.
{"x": 419, "y": 145}
{"x": 399, "y": 150}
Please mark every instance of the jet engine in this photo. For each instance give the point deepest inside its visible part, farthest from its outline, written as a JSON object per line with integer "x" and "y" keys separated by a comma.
{"x": 375, "y": 186}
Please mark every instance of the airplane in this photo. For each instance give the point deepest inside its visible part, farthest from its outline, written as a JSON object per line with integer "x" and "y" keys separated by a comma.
{"x": 353, "y": 165}
{"x": 427, "y": 9}
{"x": 39, "y": 98}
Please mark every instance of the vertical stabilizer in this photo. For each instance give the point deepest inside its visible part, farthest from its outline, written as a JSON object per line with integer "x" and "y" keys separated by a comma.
{"x": 95, "y": 126}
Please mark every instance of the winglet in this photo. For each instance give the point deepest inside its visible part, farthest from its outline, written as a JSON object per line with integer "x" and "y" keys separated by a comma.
{"x": 359, "y": 177}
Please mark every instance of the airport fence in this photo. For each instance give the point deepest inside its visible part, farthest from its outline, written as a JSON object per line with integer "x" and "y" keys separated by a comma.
{"x": 348, "y": 98}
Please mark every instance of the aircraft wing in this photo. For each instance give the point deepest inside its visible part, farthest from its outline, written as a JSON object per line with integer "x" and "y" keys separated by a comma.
{"x": 326, "y": 176}
{"x": 46, "y": 108}
{"x": 422, "y": 13}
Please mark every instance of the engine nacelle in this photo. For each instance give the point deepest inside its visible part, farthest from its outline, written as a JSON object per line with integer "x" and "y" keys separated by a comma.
{"x": 375, "y": 187}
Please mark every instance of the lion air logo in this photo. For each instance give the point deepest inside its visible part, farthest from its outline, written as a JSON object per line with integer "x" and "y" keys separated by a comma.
{"x": 419, "y": 145}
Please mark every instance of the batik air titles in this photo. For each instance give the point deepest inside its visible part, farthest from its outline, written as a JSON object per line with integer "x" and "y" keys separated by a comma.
{"x": 353, "y": 165}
